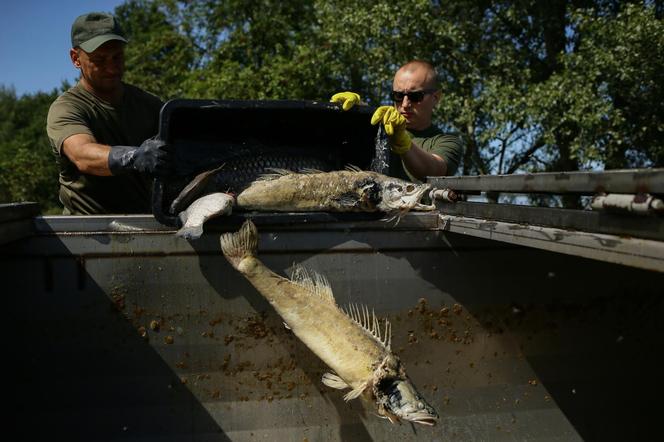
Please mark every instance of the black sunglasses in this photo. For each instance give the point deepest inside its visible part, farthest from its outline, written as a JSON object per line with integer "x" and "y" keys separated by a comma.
{"x": 414, "y": 96}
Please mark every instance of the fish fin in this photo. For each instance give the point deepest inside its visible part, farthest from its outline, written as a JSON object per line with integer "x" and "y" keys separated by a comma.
{"x": 240, "y": 244}
{"x": 280, "y": 171}
{"x": 356, "y": 392}
{"x": 369, "y": 321}
{"x": 192, "y": 190}
{"x": 309, "y": 171}
{"x": 267, "y": 177}
{"x": 349, "y": 200}
{"x": 313, "y": 282}
{"x": 273, "y": 174}
{"x": 352, "y": 168}
{"x": 384, "y": 414}
{"x": 334, "y": 381}
{"x": 393, "y": 216}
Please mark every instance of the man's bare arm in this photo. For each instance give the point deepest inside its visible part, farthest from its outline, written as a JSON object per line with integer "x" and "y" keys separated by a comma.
{"x": 421, "y": 163}
{"x": 89, "y": 156}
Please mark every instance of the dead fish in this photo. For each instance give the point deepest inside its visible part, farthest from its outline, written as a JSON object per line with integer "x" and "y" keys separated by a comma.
{"x": 240, "y": 169}
{"x": 351, "y": 342}
{"x": 201, "y": 210}
{"x": 350, "y": 190}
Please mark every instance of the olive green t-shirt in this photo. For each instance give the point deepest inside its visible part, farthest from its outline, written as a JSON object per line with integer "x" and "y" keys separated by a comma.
{"x": 129, "y": 123}
{"x": 446, "y": 145}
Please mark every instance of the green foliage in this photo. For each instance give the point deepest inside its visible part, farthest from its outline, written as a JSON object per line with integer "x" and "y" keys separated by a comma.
{"x": 531, "y": 85}
{"x": 159, "y": 55}
{"x": 27, "y": 166}
{"x": 620, "y": 63}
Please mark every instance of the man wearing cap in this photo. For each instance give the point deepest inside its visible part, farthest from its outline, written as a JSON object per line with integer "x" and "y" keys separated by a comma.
{"x": 100, "y": 129}
{"x": 422, "y": 149}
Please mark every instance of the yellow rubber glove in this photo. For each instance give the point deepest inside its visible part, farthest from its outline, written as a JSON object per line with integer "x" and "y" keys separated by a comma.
{"x": 347, "y": 99}
{"x": 395, "y": 127}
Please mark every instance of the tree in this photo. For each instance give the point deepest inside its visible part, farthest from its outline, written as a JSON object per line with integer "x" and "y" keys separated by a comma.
{"x": 27, "y": 166}
{"x": 558, "y": 85}
{"x": 620, "y": 59}
{"x": 532, "y": 86}
{"x": 160, "y": 55}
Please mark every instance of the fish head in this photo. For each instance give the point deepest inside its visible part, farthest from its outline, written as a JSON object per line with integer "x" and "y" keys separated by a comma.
{"x": 402, "y": 196}
{"x": 397, "y": 397}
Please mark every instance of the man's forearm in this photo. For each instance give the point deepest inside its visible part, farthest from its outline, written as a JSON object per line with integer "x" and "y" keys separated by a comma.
{"x": 89, "y": 157}
{"x": 421, "y": 164}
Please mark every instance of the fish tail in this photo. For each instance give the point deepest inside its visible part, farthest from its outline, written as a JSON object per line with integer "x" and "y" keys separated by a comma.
{"x": 240, "y": 244}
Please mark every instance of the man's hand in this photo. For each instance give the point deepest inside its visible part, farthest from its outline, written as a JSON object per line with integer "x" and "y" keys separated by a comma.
{"x": 395, "y": 127}
{"x": 151, "y": 158}
{"x": 346, "y": 99}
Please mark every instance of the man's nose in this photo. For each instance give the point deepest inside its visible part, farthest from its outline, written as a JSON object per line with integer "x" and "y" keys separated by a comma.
{"x": 113, "y": 66}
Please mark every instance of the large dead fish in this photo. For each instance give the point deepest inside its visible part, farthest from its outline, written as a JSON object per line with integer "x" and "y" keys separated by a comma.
{"x": 351, "y": 342}
{"x": 351, "y": 190}
{"x": 239, "y": 168}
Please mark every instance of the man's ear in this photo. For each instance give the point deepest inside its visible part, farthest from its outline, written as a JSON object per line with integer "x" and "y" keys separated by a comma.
{"x": 436, "y": 97}
{"x": 73, "y": 55}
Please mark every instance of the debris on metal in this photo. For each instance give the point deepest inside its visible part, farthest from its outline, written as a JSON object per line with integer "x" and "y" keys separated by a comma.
{"x": 643, "y": 204}
{"x": 447, "y": 195}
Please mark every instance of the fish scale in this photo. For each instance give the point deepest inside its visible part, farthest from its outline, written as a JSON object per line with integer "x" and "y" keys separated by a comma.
{"x": 238, "y": 173}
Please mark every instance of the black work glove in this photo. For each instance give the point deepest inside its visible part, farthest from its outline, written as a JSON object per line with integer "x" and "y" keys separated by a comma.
{"x": 151, "y": 157}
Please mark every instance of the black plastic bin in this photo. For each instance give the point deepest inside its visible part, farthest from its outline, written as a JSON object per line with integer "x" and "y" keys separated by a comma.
{"x": 203, "y": 133}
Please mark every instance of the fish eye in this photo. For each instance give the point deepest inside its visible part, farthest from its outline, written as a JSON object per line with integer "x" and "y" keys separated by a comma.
{"x": 410, "y": 188}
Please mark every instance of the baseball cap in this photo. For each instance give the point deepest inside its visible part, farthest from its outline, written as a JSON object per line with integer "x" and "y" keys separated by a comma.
{"x": 90, "y": 31}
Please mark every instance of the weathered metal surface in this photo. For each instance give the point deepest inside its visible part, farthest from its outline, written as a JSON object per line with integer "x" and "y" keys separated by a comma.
{"x": 313, "y": 220}
{"x": 98, "y": 223}
{"x": 621, "y": 224}
{"x": 16, "y": 221}
{"x": 135, "y": 336}
{"x": 611, "y": 181}
{"x": 18, "y": 211}
{"x": 640, "y": 204}
{"x": 445, "y": 195}
{"x": 635, "y": 252}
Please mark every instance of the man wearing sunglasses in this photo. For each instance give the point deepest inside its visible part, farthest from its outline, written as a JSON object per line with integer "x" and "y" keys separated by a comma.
{"x": 423, "y": 149}
{"x": 100, "y": 130}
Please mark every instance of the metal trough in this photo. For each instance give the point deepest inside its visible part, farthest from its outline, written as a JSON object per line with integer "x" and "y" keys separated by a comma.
{"x": 121, "y": 331}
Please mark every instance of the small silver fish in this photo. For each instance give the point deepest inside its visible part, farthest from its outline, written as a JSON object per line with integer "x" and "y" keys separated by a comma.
{"x": 350, "y": 190}
{"x": 201, "y": 210}
{"x": 193, "y": 190}
{"x": 352, "y": 342}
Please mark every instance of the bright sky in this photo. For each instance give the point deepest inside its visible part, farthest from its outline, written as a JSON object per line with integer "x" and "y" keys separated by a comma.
{"x": 35, "y": 41}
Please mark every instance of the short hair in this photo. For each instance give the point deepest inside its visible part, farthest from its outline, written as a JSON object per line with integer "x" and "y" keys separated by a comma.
{"x": 432, "y": 75}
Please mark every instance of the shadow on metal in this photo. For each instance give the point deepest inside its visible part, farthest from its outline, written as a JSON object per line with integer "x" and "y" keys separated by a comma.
{"x": 506, "y": 342}
{"x": 79, "y": 370}
{"x": 590, "y": 331}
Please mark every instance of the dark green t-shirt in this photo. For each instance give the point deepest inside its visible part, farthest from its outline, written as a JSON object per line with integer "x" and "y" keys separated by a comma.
{"x": 446, "y": 145}
{"x": 134, "y": 120}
